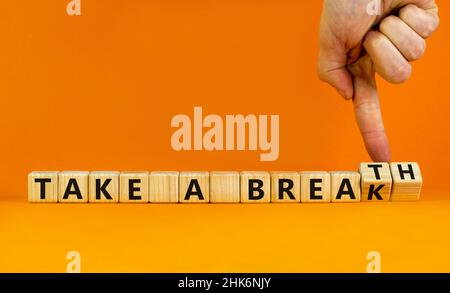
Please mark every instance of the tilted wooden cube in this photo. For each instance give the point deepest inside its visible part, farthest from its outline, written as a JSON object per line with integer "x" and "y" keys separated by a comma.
{"x": 376, "y": 181}
{"x": 407, "y": 181}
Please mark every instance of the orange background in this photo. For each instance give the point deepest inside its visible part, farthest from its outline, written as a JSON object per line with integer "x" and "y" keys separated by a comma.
{"x": 98, "y": 91}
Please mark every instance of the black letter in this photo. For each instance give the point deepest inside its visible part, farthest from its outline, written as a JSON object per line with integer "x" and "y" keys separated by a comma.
{"x": 373, "y": 191}
{"x": 252, "y": 188}
{"x": 42, "y": 182}
{"x": 409, "y": 171}
{"x": 99, "y": 189}
{"x": 375, "y": 170}
{"x": 132, "y": 189}
{"x": 72, "y": 182}
{"x": 282, "y": 189}
{"x": 190, "y": 191}
{"x": 313, "y": 188}
{"x": 349, "y": 191}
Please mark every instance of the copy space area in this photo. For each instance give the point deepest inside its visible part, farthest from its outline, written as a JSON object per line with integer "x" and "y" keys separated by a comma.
{"x": 410, "y": 237}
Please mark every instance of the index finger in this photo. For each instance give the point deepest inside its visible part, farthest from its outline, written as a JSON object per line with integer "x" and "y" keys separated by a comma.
{"x": 367, "y": 110}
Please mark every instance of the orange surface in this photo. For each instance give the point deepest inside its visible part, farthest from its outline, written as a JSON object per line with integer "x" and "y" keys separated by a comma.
{"x": 410, "y": 237}
{"x": 97, "y": 92}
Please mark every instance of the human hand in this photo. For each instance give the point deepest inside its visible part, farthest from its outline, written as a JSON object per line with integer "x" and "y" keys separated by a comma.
{"x": 355, "y": 44}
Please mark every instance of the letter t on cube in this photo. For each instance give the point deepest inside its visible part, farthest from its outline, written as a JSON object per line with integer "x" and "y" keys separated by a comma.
{"x": 43, "y": 186}
{"x": 376, "y": 181}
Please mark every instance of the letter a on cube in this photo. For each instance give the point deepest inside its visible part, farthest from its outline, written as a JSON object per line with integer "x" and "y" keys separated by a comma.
{"x": 73, "y": 187}
{"x": 194, "y": 187}
{"x": 345, "y": 186}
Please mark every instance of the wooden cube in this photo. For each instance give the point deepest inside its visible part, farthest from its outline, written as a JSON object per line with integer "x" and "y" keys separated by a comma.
{"x": 164, "y": 186}
{"x": 255, "y": 187}
{"x": 285, "y": 187}
{"x": 73, "y": 186}
{"x": 104, "y": 186}
{"x": 194, "y": 187}
{"x": 315, "y": 186}
{"x": 43, "y": 186}
{"x": 134, "y": 187}
{"x": 376, "y": 181}
{"x": 224, "y": 187}
{"x": 345, "y": 186}
{"x": 407, "y": 181}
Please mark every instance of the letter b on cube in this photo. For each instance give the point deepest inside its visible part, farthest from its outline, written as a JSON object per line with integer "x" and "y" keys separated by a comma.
{"x": 255, "y": 187}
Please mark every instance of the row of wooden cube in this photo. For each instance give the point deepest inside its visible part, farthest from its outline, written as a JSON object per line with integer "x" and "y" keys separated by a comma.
{"x": 373, "y": 182}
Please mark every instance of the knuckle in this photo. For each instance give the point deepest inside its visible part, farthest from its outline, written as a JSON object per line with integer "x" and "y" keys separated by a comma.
{"x": 417, "y": 50}
{"x": 429, "y": 27}
{"x": 372, "y": 38}
{"x": 401, "y": 73}
{"x": 388, "y": 21}
{"x": 407, "y": 11}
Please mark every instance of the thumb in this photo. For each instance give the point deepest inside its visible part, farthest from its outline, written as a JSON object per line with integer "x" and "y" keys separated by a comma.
{"x": 367, "y": 110}
{"x": 331, "y": 68}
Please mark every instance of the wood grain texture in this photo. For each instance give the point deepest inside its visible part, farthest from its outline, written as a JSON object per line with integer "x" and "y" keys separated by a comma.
{"x": 345, "y": 186}
{"x": 255, "y": 187}
{"x": 194, "y": 187}
{"x": 164, "y": 186}
{"x": 104, "y": 187}
{"x": 43, "y": 186}
{"x": 315, "y": 186}
{"x": 134, "y": 187}
{"x": 406, "y": 181}
{"x": 376, "y": 181}
{"x": 224, "y": 187}
{"x": 285, "y": 186}
{"x": 73, "y": 187}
